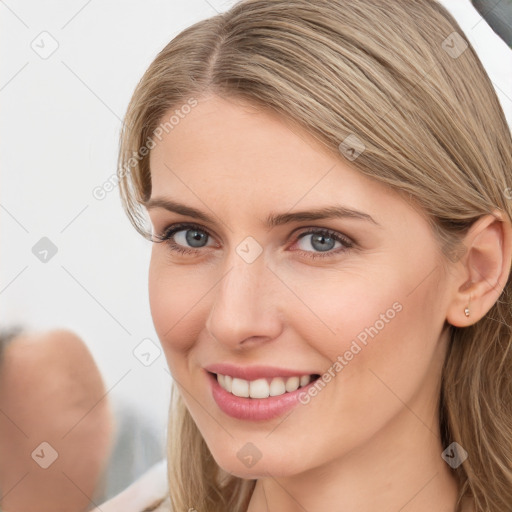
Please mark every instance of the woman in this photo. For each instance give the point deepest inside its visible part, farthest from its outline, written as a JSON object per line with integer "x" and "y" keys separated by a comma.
{"x": 327, "y": 185}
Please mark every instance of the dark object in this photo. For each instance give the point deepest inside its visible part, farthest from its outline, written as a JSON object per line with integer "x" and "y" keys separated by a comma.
{"x": 498, "y": 14}
{"x": 7, "y": 335}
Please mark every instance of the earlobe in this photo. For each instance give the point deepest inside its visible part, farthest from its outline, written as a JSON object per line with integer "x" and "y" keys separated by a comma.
{"x": 483, "y": 271}
{"x": 466, "y": 309}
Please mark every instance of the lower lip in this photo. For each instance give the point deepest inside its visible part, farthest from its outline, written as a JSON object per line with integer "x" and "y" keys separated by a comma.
{"x": 254, "y": 409}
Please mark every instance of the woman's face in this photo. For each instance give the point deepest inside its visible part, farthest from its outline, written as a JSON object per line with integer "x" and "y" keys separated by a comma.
{"x": 357, "y": 298}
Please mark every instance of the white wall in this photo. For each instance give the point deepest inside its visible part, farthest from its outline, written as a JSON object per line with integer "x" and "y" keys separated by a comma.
{"x": 59, "y": 139}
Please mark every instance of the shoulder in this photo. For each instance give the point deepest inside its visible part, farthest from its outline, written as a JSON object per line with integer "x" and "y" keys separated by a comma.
{"x": 147, "y": 494}
{"x": 161, "y": 506}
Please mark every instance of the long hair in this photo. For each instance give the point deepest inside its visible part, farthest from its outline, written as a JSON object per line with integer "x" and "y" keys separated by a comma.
{"x": 399, "y": 77}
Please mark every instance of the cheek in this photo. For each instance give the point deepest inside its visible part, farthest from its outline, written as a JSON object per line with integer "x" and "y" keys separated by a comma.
{"x": 175, "y": 297}
{"x": 364, "y": 303}
{"x": 335, "y": 307}
{"x": 387, "y": 337}
{"x": 380, "y": 321}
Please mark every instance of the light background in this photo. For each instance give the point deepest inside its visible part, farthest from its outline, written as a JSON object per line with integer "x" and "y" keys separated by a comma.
{"x": 61, "y": 118}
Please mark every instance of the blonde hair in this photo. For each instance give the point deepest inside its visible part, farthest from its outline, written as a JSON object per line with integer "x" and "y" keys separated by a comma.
{"x": 395, "y": 76}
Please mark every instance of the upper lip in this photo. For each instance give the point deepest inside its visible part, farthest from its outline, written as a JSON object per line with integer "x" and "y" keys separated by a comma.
{"x": 254, "y": 372}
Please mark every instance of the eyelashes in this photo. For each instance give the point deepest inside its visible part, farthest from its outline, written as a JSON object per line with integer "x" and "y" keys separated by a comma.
{"x": 168, "y": 237}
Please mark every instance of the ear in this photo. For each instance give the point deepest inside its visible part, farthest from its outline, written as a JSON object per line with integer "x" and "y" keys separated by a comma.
{"x": 482, "y": 272}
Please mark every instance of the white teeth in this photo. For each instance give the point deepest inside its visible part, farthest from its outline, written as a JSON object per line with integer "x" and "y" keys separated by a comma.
{"x": 277, "y": 387}
{"x": 258, "y": 388}
{"x": 292, "y": 384}
{"x": 240, "y": 387}
{"x": 304, "y": 380}
{"x": 261, "y": 388}
{"x": 228, "y": 382}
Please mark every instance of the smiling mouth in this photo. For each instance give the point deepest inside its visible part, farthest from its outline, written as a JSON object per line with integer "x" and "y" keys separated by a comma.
{"x": 264, "y": 387}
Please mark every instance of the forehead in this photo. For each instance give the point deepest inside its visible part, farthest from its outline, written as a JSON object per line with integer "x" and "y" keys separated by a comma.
{"x": 230, "y": 155}
{"x": 235, "y": 137}
{"x": 227, "y": 139}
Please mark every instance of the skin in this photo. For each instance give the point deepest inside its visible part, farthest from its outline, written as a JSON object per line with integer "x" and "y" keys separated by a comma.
{"x": 369, "y": 440}
{"x": 51, "y": 391}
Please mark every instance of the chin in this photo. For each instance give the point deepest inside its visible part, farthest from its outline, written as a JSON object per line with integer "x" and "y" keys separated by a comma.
{"x": 274, "y": 465}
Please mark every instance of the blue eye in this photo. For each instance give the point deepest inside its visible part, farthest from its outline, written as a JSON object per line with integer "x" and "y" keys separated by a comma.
{"x": 179, "y": 235}
{"x": 194, "y": 237}
{"x": 191, "y": 238}
{"x": 319, "y": 241}
{"x": 323, "y": 242}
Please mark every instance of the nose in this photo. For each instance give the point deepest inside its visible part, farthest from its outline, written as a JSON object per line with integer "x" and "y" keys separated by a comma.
{"x": 245, "y": 308}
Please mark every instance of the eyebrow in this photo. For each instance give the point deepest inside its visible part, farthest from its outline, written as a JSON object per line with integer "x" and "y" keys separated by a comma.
{"x": 273, "y": 220}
